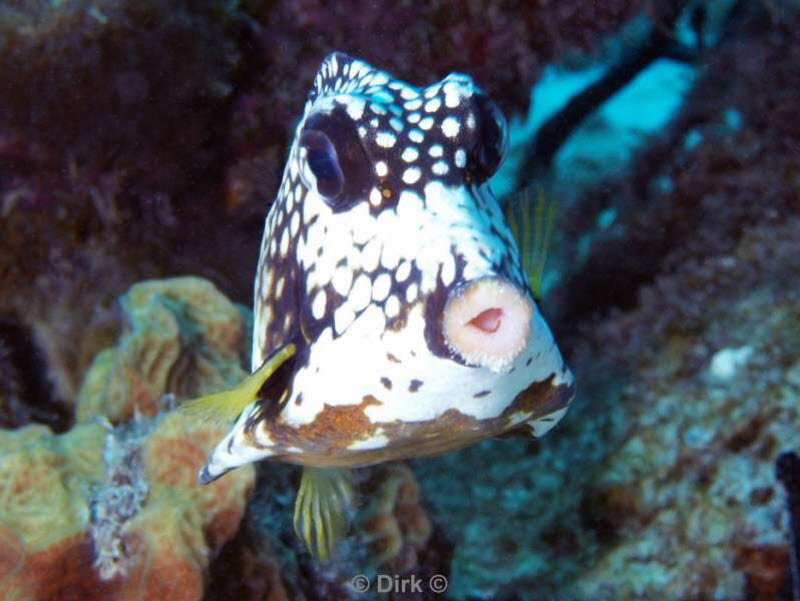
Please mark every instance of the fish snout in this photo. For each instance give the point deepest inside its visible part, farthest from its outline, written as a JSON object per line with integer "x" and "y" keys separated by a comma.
{"x": 487, "y": 322}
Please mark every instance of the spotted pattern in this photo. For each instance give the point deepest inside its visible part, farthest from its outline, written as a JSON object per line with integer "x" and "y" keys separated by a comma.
{"x": 357, "y": 269}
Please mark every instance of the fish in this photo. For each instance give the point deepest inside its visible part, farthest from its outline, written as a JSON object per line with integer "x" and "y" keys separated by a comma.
{"x": 393, "y": 316}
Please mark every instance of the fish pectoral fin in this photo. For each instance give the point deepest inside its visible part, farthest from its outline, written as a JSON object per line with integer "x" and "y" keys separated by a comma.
{"x": 325, "y": 500}
{"x": 225, "y": 406}
{"x": 531, "y": 223}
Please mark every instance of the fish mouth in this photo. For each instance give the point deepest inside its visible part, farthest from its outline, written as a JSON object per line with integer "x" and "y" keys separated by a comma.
{"x": 486, "y": 322}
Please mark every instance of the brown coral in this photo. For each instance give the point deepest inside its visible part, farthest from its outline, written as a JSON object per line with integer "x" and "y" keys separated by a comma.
{"x": 101, "y": 513}
{"x": 44, "y": 511}
{"x": 182, "y": 337}
{"x": 393, "y": 525}
{"x": 766, "y": 568}
{"x": 247, "y": 570}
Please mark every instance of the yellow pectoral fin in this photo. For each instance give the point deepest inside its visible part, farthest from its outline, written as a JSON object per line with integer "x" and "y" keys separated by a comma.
{"x": 225, "y": 406}
{"x": 531, "y": 224}
{"x": 321, "y": 510}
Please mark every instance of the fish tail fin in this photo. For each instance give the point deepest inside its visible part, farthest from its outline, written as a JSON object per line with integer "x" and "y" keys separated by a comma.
{"x": 532, "y": 226}
{"x": 322, "y": 507}
{"x": 225, "y": 406}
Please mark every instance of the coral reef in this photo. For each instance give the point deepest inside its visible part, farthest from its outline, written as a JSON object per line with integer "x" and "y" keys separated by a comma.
{"x": 44, "y": 513}
{"x": 247, "y": 569}
{"x": 682, "y": 320}
{"x": 393, "y": 526}
{"x": 693, "y": 189}
{"x": 74, "y": 527}
{"x": 154, "y": 148}
{"x": 182, "y": 336}
{"x": 115, "y": 512}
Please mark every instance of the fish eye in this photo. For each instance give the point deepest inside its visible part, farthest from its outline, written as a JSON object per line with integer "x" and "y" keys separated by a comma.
{"x": 336, "y": 164}
{"x": 323, "y": 163}
{"x": 493, "y": 141}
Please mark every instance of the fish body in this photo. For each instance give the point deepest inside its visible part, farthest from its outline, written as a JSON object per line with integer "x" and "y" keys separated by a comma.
{"x": 387, "y": 265}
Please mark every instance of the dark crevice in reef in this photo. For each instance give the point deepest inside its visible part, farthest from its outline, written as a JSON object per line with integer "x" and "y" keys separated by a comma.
{"x": 25, "y": 393}
{"x": 558, "y": 128}
{"x": 714, "y": 200}
{"x": 787, "y": 471}
{"x": 661, "y": 42}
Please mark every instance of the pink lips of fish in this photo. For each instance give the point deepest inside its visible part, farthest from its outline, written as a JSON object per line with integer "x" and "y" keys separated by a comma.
{"x": 487, "y": 322}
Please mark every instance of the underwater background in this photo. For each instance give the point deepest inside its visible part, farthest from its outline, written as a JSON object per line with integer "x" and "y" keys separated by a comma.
{"x": 141, "y": 143}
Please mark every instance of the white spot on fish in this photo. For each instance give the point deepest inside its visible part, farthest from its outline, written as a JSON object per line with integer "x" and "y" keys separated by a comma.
{"x": 377, "y": 441}
{"x": 381, "y": 286}
{"x": 432, "y": 105}
{"x": 361, "y": 293}
{"x": 284, "y": 243}
{"x": 413, "y": 105}
{"x": 436, "y": 151}
{"x": 382, "y": 95}
{"x": 318, "y": 304}
{"x": 460, "y": 158}
{"x": 266, "y": 282}
{"x": 343, "y": 317}
{"x": 426, "y": 123}
{"x": 410, "y": 154}
{"x": 371, "y": 255}
{"x": 411, "y": 293}
{"x": 378, "y": 109}
{"x": 390, "y": 256}
{"x": 392, "y": 307}
{"x": 416, "y": 136}
{"x": 342, "y": 280}
{"x": 411, "y": 175}
{"x": 381, "y": 168}
{"x": 448, "y": 272}
{"x": 413, "y": 118}
{"x": 355, "y": 108}
{"x": 385, "y": 139}
{"x": 403, "y": 271}
{"x": 396, "y": 124}
{"x": 440, "y": 168}
{"x": 471, "y": 121}
{"x": 375, "y": 197}
{"x": 380, "y": 79}
{"x": 450, "y": 127}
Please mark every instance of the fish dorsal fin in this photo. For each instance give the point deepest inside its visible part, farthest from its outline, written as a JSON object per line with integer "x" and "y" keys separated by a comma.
{"x": 225, "y": 406}
{"x": 324, "y": 501}
{"x": 532, "y": 226}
